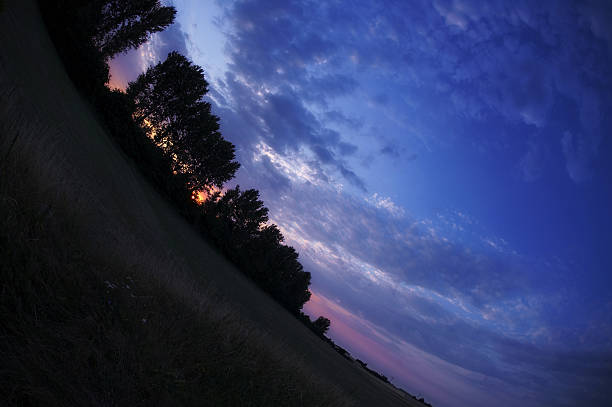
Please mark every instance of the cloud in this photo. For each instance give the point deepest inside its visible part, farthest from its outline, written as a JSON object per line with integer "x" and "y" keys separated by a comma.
{"x": 338, "y": 117}
{"x": 320, "y": 88}
{"x": 507, "y": 63}
{"x": 397, "y": 152}
{"x": 452, "y": 14}
{"x": 379, "y": 234}
{"x": 280, "y": 120}
{"x": 387, "y": 204}
{"x": 530, "y": 163}
{"x": 597, "y": 14}
{"x": 391, "y": 151}
{"x": 270, "y": 176}
{"x": 579, "y": 152}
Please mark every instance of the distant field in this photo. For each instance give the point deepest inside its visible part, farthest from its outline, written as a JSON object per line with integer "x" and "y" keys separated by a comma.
{"x": 108, "y": 296}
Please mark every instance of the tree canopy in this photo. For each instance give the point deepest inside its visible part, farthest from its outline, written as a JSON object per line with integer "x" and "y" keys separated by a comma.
{"x": 238, "y": 221}
{"x": 168, "y": 103}
{"x": 88, "y": 33}
{"x": 127, "y": 24}
{"x": 243, "y": 211}
{"x": 321, "y": 325}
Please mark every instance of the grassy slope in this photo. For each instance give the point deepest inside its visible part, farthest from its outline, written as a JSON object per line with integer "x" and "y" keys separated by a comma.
{"x": 80, "y": 226}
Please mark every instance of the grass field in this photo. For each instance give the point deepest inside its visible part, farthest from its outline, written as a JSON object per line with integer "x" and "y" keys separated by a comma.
{"x": 107, "y": 296}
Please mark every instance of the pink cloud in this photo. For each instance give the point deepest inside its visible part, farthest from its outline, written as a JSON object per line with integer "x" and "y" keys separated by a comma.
{"x": 418, "y": 372}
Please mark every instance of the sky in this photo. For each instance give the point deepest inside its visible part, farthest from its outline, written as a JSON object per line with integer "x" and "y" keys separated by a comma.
{"x": 444, "y": 169}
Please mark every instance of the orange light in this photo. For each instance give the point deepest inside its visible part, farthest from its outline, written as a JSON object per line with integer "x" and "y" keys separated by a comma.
{"x": 200, "y": 196}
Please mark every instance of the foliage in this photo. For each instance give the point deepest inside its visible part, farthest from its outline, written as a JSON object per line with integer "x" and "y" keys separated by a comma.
{"x": 242, "y": 212}
{"x": 87, "y": 33}
{"x": 168, "y": 104}
{"x": 321, "y": 325}
{"x": 237, "y": 222}
{"x": 106, "y": 26}
{"x": 127, "y": 24}
{"x": 115, "y": 109}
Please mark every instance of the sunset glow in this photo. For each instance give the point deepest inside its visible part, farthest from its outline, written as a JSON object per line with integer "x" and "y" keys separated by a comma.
{"x": 200, "y": 196}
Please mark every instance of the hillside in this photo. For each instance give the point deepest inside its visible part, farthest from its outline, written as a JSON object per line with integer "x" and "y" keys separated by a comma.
{"x": 109, "y": 297}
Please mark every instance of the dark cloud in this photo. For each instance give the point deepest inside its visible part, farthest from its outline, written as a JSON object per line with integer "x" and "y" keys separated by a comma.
{"x": 353, "y": 178}
{"x": 597, "y": 15}
{"x": 270, "y": 178}
{"x": 396, "y": 152}
{"x": 323, "y": 154}
{"x": 171, "y": 39}
{"x": 335, "y": 116}
{"x": 391, "y": 151}
{"x": 276, "y": 42}
{"x": 346, "y": 149}
{"x": 320, "y": 89}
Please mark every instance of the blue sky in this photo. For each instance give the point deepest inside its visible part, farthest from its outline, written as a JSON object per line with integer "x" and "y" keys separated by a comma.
{"x": 444, "y": 170}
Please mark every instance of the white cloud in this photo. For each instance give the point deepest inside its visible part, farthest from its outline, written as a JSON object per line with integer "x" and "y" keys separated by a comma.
{"x": 452, "y": 15}
{"x": 295, "y": 166}
{"x": 387, "y": 204}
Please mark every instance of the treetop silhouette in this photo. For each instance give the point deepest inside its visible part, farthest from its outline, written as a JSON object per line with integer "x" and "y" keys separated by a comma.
{"x": 128, "y": 24}
{"x": 168, "y": 103}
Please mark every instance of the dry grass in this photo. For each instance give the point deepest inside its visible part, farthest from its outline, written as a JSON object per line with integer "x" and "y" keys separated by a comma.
{"x": 92, "y": 316}
{"x": 94, "y": 309}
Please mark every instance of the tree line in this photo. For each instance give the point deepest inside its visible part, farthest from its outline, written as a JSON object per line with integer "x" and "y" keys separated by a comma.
{"x": 166, "y": 127}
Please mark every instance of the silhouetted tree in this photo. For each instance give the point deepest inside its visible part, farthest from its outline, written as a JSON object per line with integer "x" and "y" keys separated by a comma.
{"x": 87, "y": 33}
{"x": 321, "y": 325}
{"x": 127, "y": 24}
{"x": 243, "y": 212}
{"x": 236, "y": 221}
{"x": 168, "y": 103}
{"x": 292, "y": 281}
{"x": 277, "y": 268}
{"x": 168, "y": 97}
{"x": 270, "y": 235}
